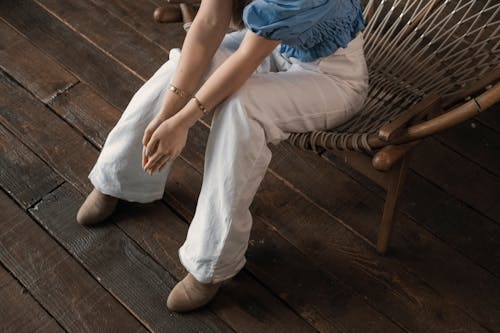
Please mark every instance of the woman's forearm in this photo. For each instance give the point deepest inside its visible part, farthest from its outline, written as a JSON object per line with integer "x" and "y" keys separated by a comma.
{"x": 200, "y": 44}
{"x": 230, "y": 76}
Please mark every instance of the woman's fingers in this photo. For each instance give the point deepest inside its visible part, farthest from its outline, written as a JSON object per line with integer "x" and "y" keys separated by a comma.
{"x": 153, "y": 160}
{"x": 151, "y": 147}
{"x": 144, "y": 158}
{"x": 156, "y": 166}
{"x": 148, "y": 133}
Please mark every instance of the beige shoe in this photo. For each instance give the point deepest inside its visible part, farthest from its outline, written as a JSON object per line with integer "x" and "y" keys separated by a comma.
{"x": 96, "y": 208}
{"x": 190, "y": 294}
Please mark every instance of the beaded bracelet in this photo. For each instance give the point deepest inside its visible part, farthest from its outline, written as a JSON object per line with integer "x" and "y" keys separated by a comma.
{"x": 178, "y": 91}
{"x": 200, "y": 105}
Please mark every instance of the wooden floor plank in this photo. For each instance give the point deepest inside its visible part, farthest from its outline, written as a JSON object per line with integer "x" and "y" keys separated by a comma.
{"x": 22, "y": 172}
{"x": 120, "y": 265}
{"x": 184, "y": 184}
{"x": 70, "y": 49}
{"x": 30, "y": 120}
{"x": 476, "y": 142}
{"x": 19, "y": 311}
{"x": 138, "y": 14}
{"x": 116, "y": 38}
{"x": 27, "y": 64}
{"x": 468, "y": 231}
{"x": 55, "y": 279}
{"x": 86, "y": 111}
{"x": 491, "y": 118}
{"x": 459, "y": 177}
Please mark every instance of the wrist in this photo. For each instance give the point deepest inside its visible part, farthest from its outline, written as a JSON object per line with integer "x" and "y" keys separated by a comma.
{"x": 189, "y": 114}
{"x": 173, "y": 102}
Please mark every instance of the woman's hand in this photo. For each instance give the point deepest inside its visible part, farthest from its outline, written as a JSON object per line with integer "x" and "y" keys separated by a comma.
{"x": 151, "y": 128}
{"x": 164, "y": 144}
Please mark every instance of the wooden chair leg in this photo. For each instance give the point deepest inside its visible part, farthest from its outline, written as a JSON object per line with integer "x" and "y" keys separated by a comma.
{"x": 397, "y": 178}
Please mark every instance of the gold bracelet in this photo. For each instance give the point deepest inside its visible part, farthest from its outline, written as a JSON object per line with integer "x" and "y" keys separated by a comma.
{"x": 200, "y": 105}
{"x": 178, "y": 91}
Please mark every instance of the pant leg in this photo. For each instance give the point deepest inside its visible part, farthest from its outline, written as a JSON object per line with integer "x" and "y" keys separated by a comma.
{"x": 118, "y": 170}
{"x": 265, "y": 110}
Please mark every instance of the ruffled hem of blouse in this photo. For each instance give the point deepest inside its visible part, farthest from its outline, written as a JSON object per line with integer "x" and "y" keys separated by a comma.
{"x": 324, "y": 38}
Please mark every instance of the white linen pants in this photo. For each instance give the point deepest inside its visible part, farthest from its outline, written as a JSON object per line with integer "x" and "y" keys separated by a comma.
{"x": 282, "y": 96}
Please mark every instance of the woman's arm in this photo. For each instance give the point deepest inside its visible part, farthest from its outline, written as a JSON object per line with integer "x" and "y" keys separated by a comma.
{"x": 230, "y": 76}
{"x": 170, "y": 138}
{"x": 202, "y": 40}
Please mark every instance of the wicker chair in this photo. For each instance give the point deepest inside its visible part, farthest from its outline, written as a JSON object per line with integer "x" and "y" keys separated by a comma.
{"x": 433, "y": 64}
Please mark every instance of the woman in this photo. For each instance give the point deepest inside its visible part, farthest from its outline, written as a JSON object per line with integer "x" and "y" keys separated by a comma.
{"x": 298, "y": 66}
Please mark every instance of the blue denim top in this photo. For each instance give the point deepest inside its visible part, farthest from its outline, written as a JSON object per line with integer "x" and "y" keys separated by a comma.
{"x": 308, "y": 29}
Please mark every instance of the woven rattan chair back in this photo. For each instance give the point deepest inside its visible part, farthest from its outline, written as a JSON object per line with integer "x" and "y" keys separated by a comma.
{"x": 416, "y": 48}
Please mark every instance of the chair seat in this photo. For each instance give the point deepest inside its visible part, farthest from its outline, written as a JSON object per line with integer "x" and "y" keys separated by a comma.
{"x": 387, "y": 99}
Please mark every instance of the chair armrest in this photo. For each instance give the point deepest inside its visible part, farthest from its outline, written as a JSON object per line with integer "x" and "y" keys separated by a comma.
{"x": 386, "y": 157}
{"x": 427, "y": 105}
{"x": 451, "y": 118}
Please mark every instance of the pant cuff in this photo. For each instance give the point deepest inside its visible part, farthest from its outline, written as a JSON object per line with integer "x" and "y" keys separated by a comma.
{"x": 205, "y": 273}
{"x": 131, "y": 196}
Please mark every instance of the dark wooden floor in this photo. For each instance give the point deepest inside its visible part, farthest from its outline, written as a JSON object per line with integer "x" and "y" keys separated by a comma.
{"x": 68, "y": 69}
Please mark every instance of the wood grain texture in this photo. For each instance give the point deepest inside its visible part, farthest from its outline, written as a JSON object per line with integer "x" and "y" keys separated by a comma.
{"x": 110, "y": 34}
{"x": 476, "y": 142}
{"x": 138, "y": 14}
{"x": 491, "y": 119}
{"x": 465, "y": 229}
{"x": 22, "y": 172}
{"x": 459, "y": 177}
{"x": 43, "y": 76}
{"x": 42, "y": 131}
{"x": 88, "y": 112}
{"x": 19, "y": 311}
{"x": 120, "y": 265}
{"x": 55, "y": 279}
{"x": 53, "y": 37}
{"x": 391, "y": 284}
